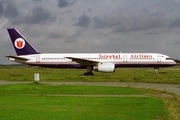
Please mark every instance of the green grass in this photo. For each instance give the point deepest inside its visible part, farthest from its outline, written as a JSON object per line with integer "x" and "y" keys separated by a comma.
{"x": 81, "y": 108}
{"x": 165, "y": 75}
{"x": 39, "y": 101}
{"x": 66, "y": 89}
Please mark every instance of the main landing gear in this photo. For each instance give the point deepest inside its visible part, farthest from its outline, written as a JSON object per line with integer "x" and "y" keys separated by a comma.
{"x": 89, "y": 71}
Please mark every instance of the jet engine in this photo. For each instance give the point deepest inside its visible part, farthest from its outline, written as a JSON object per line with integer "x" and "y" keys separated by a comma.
{"x": 105, "y": 67}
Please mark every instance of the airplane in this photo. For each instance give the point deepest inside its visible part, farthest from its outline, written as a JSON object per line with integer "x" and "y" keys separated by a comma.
{"x": 102, "y": 62}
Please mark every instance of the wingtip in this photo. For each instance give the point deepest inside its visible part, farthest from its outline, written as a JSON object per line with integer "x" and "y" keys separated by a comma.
{"x": 6, "y": 55}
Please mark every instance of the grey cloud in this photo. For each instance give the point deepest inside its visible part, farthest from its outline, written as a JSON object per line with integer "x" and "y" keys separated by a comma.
{"x": 100, "y": 22}
{"x": 83, "y": 21}
{"x": 68, "y": 11}
{"x": 90, "y": 10}
{"x": 37, "y": 0}
{"x": 175, "y": 23}
{"x": 136, "y": 25}
{"x": 11, "y": 11}
{"x": 175, "y": 42}
{"x": 139, "y": 17}
{"x": 35, "y": 16}
{"x": 54, "y": 35}
{"x": 8, "y": 10}
{"x": 65, "y": 3}
{"x": 132, "y": 21}
{"x": 1, "y": 9}
{"x": 62, "y": 3}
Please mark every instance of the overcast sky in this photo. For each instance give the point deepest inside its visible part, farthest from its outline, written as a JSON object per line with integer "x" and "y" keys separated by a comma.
{"x": 57, "y": 26}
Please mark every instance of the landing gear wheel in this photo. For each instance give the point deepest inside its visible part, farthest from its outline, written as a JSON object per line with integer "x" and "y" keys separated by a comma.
{"x": 91, "y": 74}
{"x": 88, "y": 74}
{"x": 85, "y": 74}
{"x": 155, "y": 71}
{"x": 89, "y": 71}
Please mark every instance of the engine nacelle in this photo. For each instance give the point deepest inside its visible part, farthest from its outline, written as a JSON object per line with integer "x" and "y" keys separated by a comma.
{"x": 105, "y": 67}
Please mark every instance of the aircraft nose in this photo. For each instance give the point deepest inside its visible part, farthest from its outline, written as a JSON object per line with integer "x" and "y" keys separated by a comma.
{"x": 173, "y": 62}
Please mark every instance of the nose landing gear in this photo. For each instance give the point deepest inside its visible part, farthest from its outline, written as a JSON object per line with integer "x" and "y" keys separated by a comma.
{"x": 155, "y": 71}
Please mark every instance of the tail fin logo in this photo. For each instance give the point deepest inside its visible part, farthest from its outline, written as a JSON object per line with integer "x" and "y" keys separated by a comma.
{"x": 19, "y": 43}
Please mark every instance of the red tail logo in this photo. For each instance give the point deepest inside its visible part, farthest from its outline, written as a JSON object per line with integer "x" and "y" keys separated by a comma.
{"x": 19, "y": 43}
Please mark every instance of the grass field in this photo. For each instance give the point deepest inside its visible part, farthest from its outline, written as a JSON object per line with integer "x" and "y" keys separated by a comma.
{"x": 40, "y": 101}
{"x": 37, "y": 101}
{"x": 165, "y": 75}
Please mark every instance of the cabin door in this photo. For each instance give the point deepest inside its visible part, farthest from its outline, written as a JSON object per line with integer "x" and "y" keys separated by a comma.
{"x": 158, "y": 58}
{"x": 124, "y": 58}
{"x": 37, "y": 58}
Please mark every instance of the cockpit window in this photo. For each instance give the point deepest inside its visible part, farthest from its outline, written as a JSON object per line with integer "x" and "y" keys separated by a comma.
{"x": 169, "y": 59}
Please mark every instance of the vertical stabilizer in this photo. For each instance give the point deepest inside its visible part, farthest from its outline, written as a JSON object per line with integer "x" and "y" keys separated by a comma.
{"x": 21, "y": 45}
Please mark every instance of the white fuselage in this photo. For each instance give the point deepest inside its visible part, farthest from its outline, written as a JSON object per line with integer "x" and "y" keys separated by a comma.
{"x": 102, "y": 62}
{"x": 118, "y": 59}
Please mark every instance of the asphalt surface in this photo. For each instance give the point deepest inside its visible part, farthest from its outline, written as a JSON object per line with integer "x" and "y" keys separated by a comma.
{"x": 170, "y": 88}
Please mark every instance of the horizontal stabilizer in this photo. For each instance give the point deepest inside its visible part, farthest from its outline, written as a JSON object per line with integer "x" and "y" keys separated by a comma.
{"x": 16, "y": 58}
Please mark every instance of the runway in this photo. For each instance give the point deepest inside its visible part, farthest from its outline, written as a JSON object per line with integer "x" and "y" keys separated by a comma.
{"x": 170, "y": 88}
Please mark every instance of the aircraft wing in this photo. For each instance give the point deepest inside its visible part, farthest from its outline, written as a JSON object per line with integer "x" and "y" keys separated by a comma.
{"x": 16, "y": 58}
{"x": 83, "y": 61}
